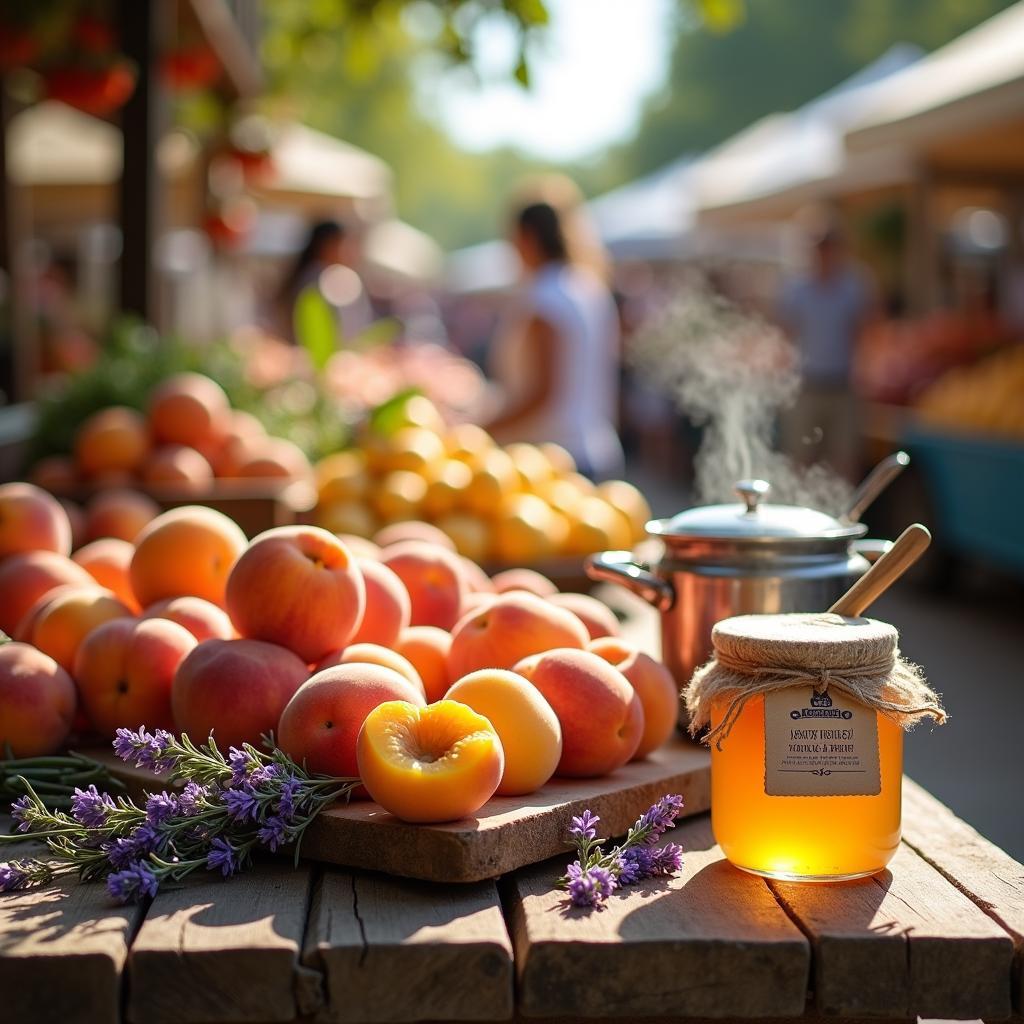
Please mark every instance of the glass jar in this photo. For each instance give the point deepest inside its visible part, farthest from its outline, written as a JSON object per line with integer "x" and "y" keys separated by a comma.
{"x": 807, "y": 714}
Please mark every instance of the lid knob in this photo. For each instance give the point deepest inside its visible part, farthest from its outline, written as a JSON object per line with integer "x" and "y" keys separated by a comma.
{"x": 752, "y": 493}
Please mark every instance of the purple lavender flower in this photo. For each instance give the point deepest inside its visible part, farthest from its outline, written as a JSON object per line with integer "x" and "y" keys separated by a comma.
{"x": 13, "y": 876}
{"x": 589, "y": 887}
{"x": 241, "y": 763}
{"x": 140, "y": 842}
{"x": 190, "y": 799}
{"x": 264, "y": 773}
{"x": 274, "y": 833}
{"x": 660, "y": 817}
{"x": 160, "y": 807}
{"x": 286, "y": 798}
{"x": 583, "y": 826}
{"x": 635, "y": 864}
{"x": 135, "y": 881}
{"x": 241, "y": 803}
{"x": 668, "y": 860}
{"x": 23, "y": 810}
{"x": 89, "y": 807}
{"x": 144, "y": 749}
{"x": 222, "y": 855}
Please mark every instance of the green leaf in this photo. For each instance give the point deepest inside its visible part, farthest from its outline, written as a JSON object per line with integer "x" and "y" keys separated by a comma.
{"x": 522, "y": 71}
{"x": 389, "y": 417}
{"x": 316, "y": 325}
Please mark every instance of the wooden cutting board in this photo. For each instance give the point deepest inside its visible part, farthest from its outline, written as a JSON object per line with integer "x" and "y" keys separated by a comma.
{"x": 508, "y": 832}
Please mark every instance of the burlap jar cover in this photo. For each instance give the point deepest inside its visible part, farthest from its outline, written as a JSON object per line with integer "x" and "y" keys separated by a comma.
{"x": 759, "y": 654}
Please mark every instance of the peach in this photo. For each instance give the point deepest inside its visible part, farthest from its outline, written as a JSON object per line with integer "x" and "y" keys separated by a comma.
{"x": 321, "y": 723}
{"x": 68, "y": 617}
{"x": 57, "y": 474}
{"x": 124, "y": 669}
{"x": 274, "y": 458}
{"x": 477, "y": 580}
{"x": 178, "y": 466}
{"x": 108, "y": 562}
{"x": 205, "y": 621}
{"x": 37, "y": 702}
{"x": 188, "y": 408}
{"x": 412, "y": 529}
{"x": 25, "y": 578}
{"x": 189, "y": 550}
{"x": 297, "y": 586}
{"x": 654, "y": 685}
{"x": 422, "y": 764}
{"x": 434, "y": 579}
{"x": 446, "y": 484}
{"x": 363, "y": 549}
{"x": 115, "y": 439}
{"x": 32, "y": 520}
{"x": 242, "y": 426}
{"x": 524, "y": 721}
{"x": 475, "y": 601}
{"x": 426, "y": 649}
{"x": 345, "y": 517}
{"x": 119, "y": 513}
{"x": 374, "y": 654}
{"x": 509, "y": 628}
{"x": 595, "y": 615}
{"x": 341, "y": 477}
{"x": 388, "y": 608}
{"x": 558, "y": 457}
{"x": 398, "y": 496}
{"x": 529, "y": 580}
{"x": 601, "y": 715}
{"x": 234, "y": 690}
{"x": 470, "y": 534}
{"x": 23, "y": 631}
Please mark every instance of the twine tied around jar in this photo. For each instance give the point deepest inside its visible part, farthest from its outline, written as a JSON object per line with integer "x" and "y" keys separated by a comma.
{"x": 759, "y": 654}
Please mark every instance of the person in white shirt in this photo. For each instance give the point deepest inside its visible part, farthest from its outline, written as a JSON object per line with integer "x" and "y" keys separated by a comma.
{"x": 825, "y": 310}
{"x": 557, "y": 362}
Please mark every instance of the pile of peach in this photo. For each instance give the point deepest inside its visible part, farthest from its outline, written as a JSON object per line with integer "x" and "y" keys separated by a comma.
{"x": 514, "y": 505}
{"x": 188, "y": 436}
{"x": 401, "y": 662}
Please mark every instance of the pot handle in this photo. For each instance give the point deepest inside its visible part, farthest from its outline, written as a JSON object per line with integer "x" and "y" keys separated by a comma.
{"x": 619, "y": 567}
{"x": 870, "y": 549}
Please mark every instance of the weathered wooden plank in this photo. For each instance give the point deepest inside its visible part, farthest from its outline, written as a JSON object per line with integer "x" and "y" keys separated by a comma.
{"x": 989, "y": 876}
{"x": 712, "y": 942}
{"x": 211, "y": 950}
{"x": 508, "y": 832}
{"x": 63, "y": 948}
{"x": 397, "y": 950}
{"x": 903, "y": 943}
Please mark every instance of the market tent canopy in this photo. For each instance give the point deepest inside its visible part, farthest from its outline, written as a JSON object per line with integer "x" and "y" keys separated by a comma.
{"x": 70, "y": 163}
{"x": 975, "y": 82}
{"x": 317, "y": 173}
{"x": 651, "y": 218}
{"x": 785, "y": 160}
{"x": 400, "y": 252}
{"x": 480, "y": 269}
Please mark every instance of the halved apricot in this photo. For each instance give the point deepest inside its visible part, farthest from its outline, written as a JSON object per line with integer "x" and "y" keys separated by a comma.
{"x": 438, "y": 763}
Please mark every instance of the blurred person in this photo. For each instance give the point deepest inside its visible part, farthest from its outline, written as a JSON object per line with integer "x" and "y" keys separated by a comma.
{"x": 557, "y": 360}
{"x": 324, "y": 271}
{"x": 825, "y": 310}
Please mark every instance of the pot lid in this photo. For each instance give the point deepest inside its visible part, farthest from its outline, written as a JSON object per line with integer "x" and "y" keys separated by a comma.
{"x": 754, "y": 519}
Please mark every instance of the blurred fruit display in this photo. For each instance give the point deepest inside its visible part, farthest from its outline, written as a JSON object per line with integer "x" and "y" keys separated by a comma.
{"x": 897, "y": 359}
{"x": 986, "y": 398}
{"x": 516, "y": 505}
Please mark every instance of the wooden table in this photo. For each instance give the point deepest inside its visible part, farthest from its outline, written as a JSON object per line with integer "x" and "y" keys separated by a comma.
{"x": 940, "y": 935}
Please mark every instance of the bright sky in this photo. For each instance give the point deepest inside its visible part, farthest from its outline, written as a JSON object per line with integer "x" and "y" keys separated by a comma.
{"x": 595, "y": 65}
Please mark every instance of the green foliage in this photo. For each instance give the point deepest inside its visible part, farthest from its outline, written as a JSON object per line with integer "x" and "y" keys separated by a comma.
{"x": 135, "y": 359}
{"x": 316, "y": 325}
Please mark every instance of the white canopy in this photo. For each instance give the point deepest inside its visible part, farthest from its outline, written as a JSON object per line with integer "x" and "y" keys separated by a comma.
{"x": 970, "y": 83}
{"x": 787, "y": 159}
{"x": 478, "y": 269}
{"x": 314, "y": 171}
{"x": 648, "y": 219}
{"x": 399, "y": 251}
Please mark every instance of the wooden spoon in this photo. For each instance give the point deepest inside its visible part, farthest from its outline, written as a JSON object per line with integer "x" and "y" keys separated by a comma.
{"x": 907, "y": 549}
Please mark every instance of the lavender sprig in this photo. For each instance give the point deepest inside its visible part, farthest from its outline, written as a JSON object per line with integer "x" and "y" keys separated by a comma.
{"x": 229, "y": 807}
{"x": 597, "y": 873}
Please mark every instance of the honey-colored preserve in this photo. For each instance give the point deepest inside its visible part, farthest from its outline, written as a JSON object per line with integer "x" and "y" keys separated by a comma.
{"x": 809, "y": 838}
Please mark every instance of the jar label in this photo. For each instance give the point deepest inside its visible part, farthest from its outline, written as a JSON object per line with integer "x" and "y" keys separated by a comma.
{"x": 819, "y": 744}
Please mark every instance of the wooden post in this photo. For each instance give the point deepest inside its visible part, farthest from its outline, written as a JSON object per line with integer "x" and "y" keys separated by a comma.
{"x": 141, "y": 123}
{"x": 19, "y": 357}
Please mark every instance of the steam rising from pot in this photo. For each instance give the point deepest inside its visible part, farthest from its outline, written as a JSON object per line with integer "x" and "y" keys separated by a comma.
{"x": 731, "y": 374}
